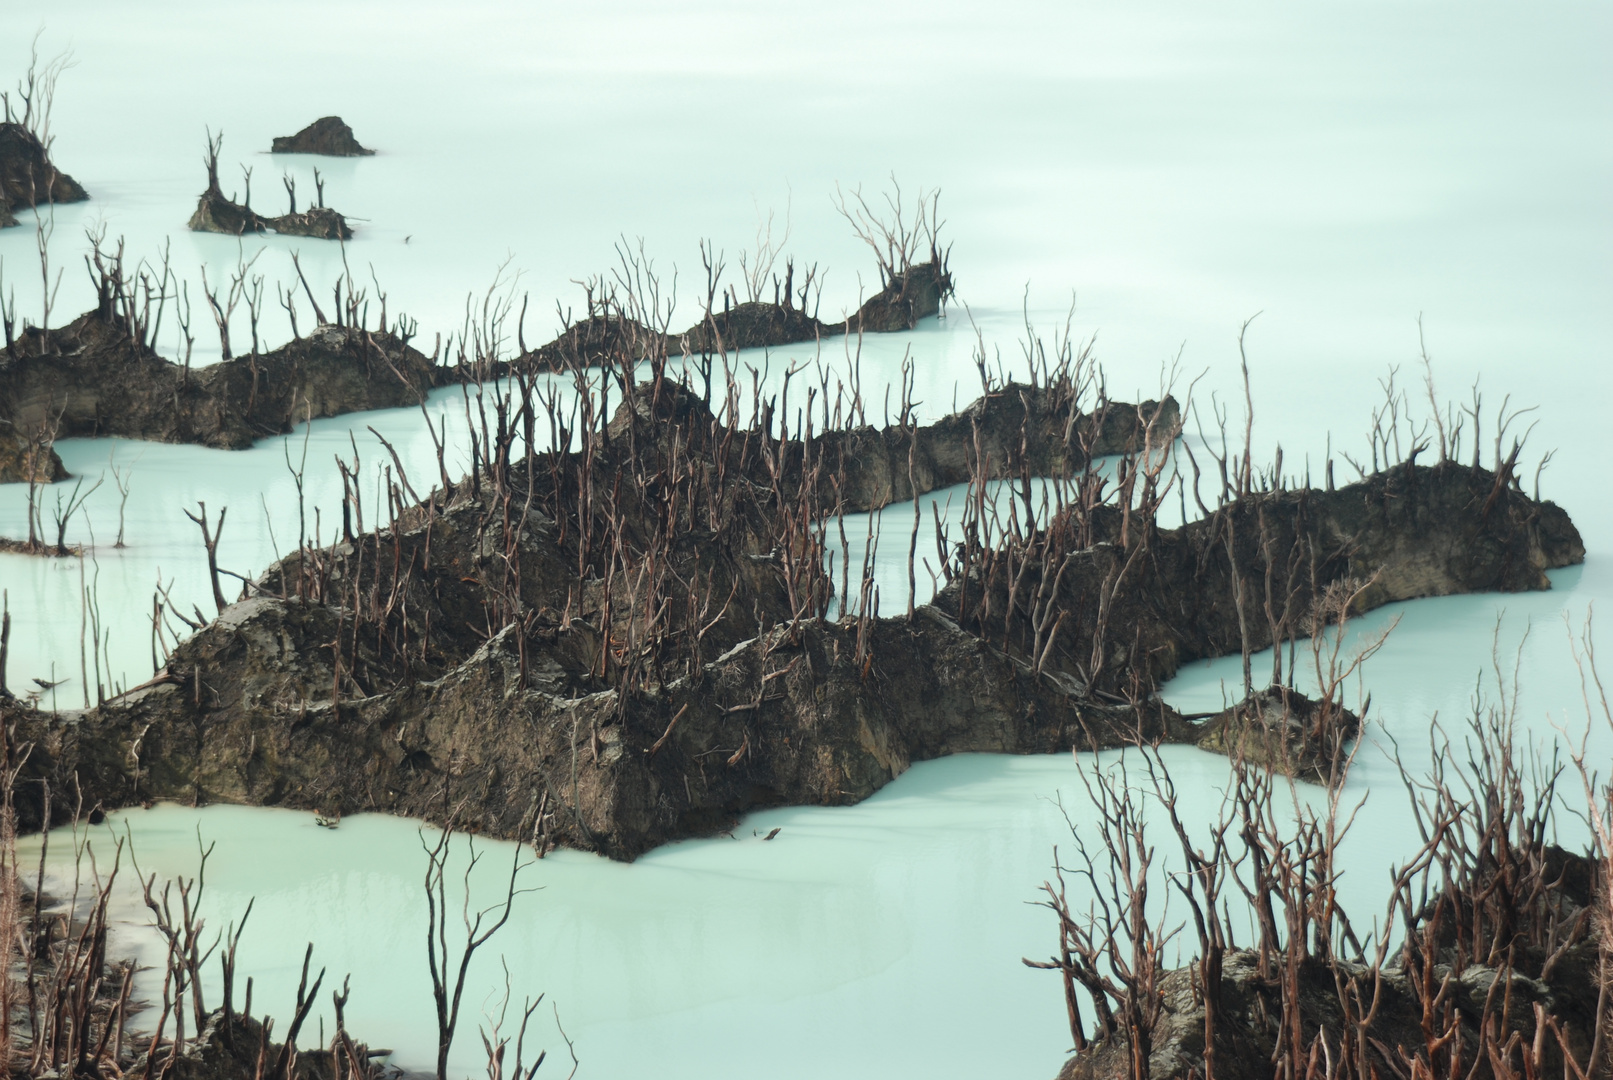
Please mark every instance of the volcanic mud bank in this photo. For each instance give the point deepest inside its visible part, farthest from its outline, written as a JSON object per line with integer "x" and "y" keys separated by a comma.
{"x": 612, "y": 331}
{"x": 27, "y": 177}
{"x": 99, "y": 375}
{"x": 329, "y": 136}
{"x": 216, "y": 212}
{"x": 1490, "y": 957}
{"x": 625, "y": 644}
{"x": 94, "y": 377}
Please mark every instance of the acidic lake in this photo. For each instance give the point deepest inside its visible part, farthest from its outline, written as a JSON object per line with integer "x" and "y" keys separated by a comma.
{"x": 1341, "y": 170}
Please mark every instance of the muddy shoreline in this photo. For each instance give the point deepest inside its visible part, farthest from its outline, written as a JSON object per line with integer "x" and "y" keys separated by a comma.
{"x": 546, "y": 730}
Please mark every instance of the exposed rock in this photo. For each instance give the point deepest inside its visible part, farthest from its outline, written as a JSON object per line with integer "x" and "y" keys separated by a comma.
{"x": 215, "y": 213}
{"x": 1404, "y": 533}
{"x": 776, "y": 709}
{"x": 23, "y": 459}
{"x": 328, "y": 135}
{"x": 775, "y": 721}
{"x": 27, "y": 176}
{"x": 754, "y": 325}
{"x": 1017, "y": 427}
{"x": 1284, "y": 731}
{"x": 94, "y": 378}
{"x": 236, "y": 1047}
{"x": 605, "y": 339}
{"x": 595, "y": 341}
{"x": 905, "y": 299}
{"x": 320, "y": 222}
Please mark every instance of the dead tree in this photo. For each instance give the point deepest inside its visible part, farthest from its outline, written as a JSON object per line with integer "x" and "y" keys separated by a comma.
{"x": 210, "y": 542}
{"x": 450, "y": 966}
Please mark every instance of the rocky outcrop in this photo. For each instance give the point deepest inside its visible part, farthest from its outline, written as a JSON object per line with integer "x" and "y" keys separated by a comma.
{"x": 754, "y": 325}
{"x": 216, "y": 213}
{"x": 592, "y": 342}
{"x": 23, "y": 459}
{"x": 91, "y": 378}
{"x": 27, "y": 177}
{"x": 1251, "y": 1009}
{"x": 778, "y": 720}
{"x": 611, "y": 339}
{"x": 340, "y": 705}
{"x": 328, "y": 135}
{"x": 916, "y": 293}
{"x": 1282, "y": 731}
{"x": 320, "y": 222}
{"x": 1407, "y": 532}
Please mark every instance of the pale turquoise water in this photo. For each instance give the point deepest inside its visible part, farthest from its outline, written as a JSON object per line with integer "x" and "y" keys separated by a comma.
{"x": 1181, "y": 167}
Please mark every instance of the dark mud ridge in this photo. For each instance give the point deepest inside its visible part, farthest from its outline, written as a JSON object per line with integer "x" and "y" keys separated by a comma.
{"x": 27, "y": 177}
{"x": 93, "y": 377}
{"x": 607, "y": 335}
{"x": 628, "y": 644}
{"x": 25, "y": 460}
{"x": 329, "y": 135}
{"x": 216, "y": 213}
{"x": 98, "y": 376}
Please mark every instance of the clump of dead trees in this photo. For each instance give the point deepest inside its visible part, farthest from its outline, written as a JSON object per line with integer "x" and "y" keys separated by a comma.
{"x": 28, "y": 179}
{"x": 74, "y": 1009}
{"x": 1491, "y": 957}
{"x": 217, "y": 212}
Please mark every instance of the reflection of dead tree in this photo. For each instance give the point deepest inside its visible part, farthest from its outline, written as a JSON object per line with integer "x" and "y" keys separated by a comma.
{"x": 123, "y": 478}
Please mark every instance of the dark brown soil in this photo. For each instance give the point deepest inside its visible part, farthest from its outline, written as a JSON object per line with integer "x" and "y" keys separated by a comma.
{"x": 609, "y": 339}
{"x": 27, "y": 176}
{"x": 328, "y": 135}
{"x": 22, "y": 459}
{"x": 92, "y": 377}
{"x": 754, "y": 325}
{"x": 320, "y": 222}
{"x": 778, "y": 711}
{"x": 903, "y": 301}
{"x": 215, "y": 213}
{"x": 1251, "y": 1008}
